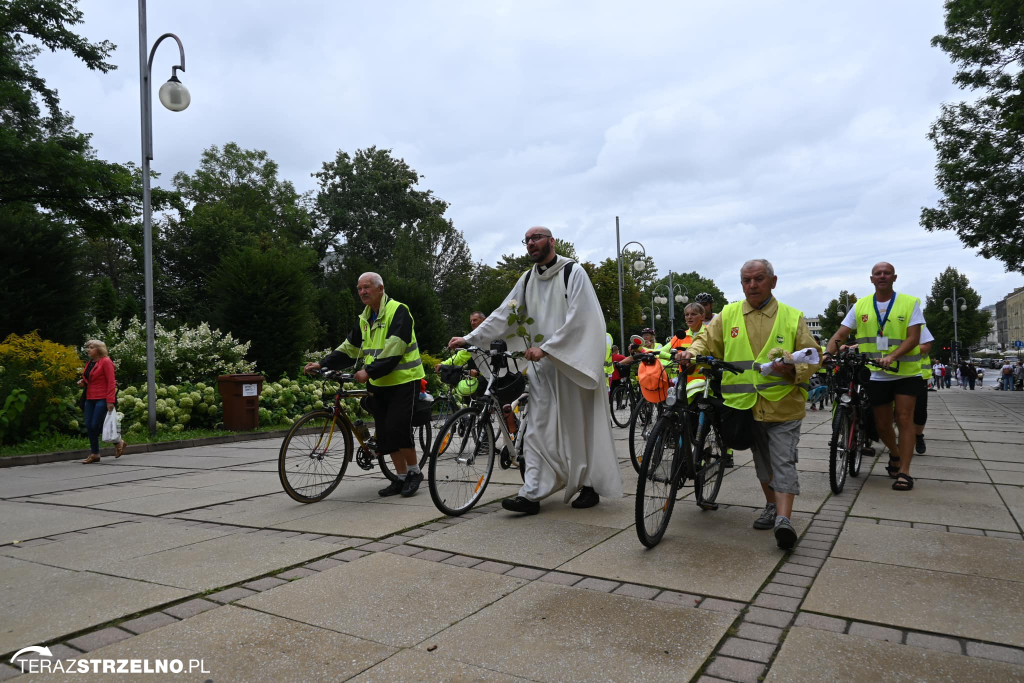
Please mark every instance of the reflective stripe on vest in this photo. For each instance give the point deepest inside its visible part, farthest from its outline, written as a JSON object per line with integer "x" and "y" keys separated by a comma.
{"x": 410, "y": 366}
{"x": 741, "y": 391}
{"x": 926, "y": 368}
{"x": 895, "y": 330}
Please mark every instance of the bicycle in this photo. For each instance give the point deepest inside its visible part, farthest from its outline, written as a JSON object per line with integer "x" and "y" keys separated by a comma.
{"x": 850, "y": 413}
{"x": 642, "y": 419}
{"x": 624, "y": 396}
{"x": 462, "y": 458}
{"x": 318, "y": 448}
{"x": 686, "y": 442}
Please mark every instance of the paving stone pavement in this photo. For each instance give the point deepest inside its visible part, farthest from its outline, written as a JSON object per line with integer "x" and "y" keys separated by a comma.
{"x": 197, "y": 554}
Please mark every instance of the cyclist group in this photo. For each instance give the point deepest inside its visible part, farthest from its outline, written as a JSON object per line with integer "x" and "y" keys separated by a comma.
{"x": 568, "y": 443}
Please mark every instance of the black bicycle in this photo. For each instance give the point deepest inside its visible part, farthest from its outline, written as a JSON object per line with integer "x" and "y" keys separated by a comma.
{"x": 686, "y": 441}
{"x": 851, "y": 417}
{"x": 624, "y": 396}
{"x": 642, "y": 419}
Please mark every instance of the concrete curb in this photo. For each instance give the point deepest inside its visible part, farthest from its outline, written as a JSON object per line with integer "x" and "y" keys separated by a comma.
{"x": 62, "y": 456}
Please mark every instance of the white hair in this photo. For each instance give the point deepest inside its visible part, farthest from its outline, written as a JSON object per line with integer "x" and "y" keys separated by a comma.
{"x": 375, "y": 279}
{"x": 758, "y": 262}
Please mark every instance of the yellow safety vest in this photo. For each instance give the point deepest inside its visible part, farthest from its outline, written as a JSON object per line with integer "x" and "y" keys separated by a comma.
{"x": 375, "y": 340}
{"x": 609, "y": 367}
{"x": 895, "y": 329}
{"x": 741, "y": 391}
{"x": 926, "y": 368}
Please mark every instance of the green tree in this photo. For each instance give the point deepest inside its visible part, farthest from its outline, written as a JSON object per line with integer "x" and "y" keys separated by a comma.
{"x": 605, "y": 278}
{"x": 693, "y": 284}
{"x": 265, "y": 295}
{"x": 980, "y": 144}
{"x": 834, "y": 313}
{"x": 972, "y": 322}
{"x": 234, "y": 200}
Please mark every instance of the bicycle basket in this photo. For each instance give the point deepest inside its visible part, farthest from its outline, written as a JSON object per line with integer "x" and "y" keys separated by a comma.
{"x": 508, "y": 387}
{"x": 653, "y": 382}
{"x": 421, "y": 412}
{"x": 451, "y": 374}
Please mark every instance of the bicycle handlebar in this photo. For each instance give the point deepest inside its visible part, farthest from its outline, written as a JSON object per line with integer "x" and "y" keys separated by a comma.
{"x": 851, "y": 356}
{"x": 716, "y": 363}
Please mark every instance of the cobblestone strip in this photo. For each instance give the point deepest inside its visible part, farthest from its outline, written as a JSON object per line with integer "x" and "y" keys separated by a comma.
{"x": 939, "y": 527}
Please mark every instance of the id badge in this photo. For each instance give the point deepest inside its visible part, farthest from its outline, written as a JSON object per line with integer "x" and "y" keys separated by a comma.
{"x": 882, "y": 344}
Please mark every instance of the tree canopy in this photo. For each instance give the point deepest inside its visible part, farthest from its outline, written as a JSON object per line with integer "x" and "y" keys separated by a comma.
{"x": 980, "y": 144}
{"x": 834, "y": 313}
{"x": 972, "y": 322}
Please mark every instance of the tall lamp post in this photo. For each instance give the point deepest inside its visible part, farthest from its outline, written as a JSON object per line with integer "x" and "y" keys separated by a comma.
{"x": 175, "y": 97}
{"x": 946, "y": 304}
{"x": 674, "y": 297}
{"x": 636, "y": 266}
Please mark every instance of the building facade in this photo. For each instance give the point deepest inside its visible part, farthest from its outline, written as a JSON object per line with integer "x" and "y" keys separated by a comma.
{"x": 1014, "y": 317}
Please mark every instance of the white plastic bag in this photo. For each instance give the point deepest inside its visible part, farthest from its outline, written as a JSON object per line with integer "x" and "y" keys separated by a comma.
{"x": 112, "y": 427}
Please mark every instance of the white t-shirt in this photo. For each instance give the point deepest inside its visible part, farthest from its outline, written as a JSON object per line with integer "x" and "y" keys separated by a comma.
{"x": 916, "y": 318}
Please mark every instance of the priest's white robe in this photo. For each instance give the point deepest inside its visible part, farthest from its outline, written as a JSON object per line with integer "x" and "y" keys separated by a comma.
{"x": 568, "y": 440}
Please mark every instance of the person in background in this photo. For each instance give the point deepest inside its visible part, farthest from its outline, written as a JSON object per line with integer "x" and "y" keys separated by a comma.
{"x": 100, "y": 397}
{"x": 708, "y": 302}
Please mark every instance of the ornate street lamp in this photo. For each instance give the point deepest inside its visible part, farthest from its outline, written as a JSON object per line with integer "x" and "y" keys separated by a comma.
{"x": 636, "y": 266}
{"x": 946, "y": 304}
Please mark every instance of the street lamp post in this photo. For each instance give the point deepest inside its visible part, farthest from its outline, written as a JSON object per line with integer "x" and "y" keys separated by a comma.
{"x": 637, "y": 266}
{"x": 946, "y": 304}
{"x": 674, "y": 297}
{"x": 174, "y": 96}
{"x": 655, "y": 314}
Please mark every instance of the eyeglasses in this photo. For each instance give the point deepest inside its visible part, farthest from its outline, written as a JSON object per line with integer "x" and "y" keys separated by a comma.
{"x": 535, "y": 238}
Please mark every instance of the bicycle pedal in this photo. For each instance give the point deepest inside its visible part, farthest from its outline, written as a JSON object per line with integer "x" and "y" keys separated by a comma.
{"x": 708, "y": 506}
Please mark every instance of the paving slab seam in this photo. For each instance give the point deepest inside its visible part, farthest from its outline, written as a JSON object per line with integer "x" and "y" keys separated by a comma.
{"x": 928, "y": 526}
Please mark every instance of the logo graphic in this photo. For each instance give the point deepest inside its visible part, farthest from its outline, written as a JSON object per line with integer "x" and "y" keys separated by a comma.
{"x": 900, "y": 318}
{"x": 32, "y": 648}
{"x": 779, "y": 339}
{"x": 864, "y": 318}
{"x": 735, "y": 332}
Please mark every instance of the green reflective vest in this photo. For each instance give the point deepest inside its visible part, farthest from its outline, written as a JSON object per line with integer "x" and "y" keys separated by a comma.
{"x": 926, "y": 368}
{"x": 895, "y": 329}
{"x": 377, "y": 344}
{"x": 741, "y": 391}
{"x": 609, "y": 367}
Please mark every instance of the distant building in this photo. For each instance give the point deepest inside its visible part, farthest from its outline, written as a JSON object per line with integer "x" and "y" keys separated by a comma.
{"x": 814, "y": 325}
{"x": 1014, "y": 317}
{"x": 991, "y": 340}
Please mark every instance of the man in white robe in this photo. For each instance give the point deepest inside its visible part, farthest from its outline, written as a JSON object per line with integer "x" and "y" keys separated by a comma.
{"x": 568, "y": 435}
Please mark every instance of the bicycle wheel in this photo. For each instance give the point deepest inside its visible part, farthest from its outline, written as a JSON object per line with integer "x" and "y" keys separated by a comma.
{"x": 640, "y": 424}
{"x": 661, "y": 475}
{"x": 620, "y": 405}
{"x": 706, "y": 463}
{"x": 461, "y": 462}
{"x": 860, "y": 444}
{"x": 442, "y": 409}
{"x": 314, "y": 456}
{"x": 843, "y": 432}
{"x": 421, "y": 435}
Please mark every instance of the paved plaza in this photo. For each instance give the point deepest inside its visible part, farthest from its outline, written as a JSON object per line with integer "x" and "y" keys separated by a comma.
{"x": 198, "y": 554}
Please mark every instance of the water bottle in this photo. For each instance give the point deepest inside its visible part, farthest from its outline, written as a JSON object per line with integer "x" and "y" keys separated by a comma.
{"x": 362, "y": 431}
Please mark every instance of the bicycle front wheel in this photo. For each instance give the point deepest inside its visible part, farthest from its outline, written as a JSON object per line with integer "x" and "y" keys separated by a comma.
{"x": 661, "y": 474}
{"x": 641, "y": 423}
{"x": 839, "y": 449}
{"x": 461, "y": 462}
{"x": 314, "y": 456}
{"x": 620, "y": 405}
{"x": 706, "y": 459}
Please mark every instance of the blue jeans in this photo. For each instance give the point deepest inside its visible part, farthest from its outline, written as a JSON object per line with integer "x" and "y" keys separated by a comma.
{"x": 95, "y": 413}
{"x": 1008, "y": 382}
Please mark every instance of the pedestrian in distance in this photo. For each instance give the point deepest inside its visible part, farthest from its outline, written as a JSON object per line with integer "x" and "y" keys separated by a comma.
{"x": 888, "y": 327}
{"x": 100, "y": 397}
{"x": 744, "y": 333}
{"x": 568, "y": 439}
{"x": 384, "y": 339}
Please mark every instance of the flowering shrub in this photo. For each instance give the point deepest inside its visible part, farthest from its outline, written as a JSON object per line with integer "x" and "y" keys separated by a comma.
{"x": 46, "y": 373}
{"x": 187, "y": 354}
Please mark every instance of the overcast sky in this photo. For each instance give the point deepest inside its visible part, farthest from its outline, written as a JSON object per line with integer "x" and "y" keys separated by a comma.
{"x": 717, "y": 132}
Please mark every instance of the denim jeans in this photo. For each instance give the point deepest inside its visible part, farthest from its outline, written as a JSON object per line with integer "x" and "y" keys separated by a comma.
{"x": 1008, "y": 382}
{"x": 95, "y": 413}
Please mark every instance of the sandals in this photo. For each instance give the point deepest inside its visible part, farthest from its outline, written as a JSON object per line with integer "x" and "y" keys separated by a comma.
{"x": 119, "y": 449}
{"x": 904, "y": 482}
{"x": 893, "y": 469}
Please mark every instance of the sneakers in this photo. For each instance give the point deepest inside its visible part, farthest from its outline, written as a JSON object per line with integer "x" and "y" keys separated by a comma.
{"x": 392, "y": 489}
{"x": 588, "y": 498}
{"x": 520, "y": 504}
{"x": 920, "y": 447}
{"x": 785, "y": 534}
{"x": 411, "y": 483}
{"x": 767, "y": 518}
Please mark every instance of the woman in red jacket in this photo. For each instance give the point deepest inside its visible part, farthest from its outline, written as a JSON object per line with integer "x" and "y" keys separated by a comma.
{"x": 100, "y": 396}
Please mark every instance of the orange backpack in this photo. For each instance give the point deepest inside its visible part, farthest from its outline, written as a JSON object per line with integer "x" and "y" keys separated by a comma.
{"x": 653, "y": 382}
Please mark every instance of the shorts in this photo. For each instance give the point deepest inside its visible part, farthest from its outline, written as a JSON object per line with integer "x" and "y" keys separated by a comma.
{"x": 775, "y": 454}
{"x": 392, "y": 408}
{"x": 882, "y": 392}
{"x": 921, "y": 407}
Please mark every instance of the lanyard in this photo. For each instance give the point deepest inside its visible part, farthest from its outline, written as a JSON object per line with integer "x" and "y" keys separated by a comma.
{"x": 878, "y": 316}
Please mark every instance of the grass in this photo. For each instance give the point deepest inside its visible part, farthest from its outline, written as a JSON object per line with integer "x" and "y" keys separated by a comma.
{"x": 52, "y": 443}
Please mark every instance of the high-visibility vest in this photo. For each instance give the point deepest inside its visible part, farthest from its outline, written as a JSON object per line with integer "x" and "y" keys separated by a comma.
{"x": 895, "y": 329}
{"x": 684, "y": 343}
{"x": 741, "y": 391}
{"x": 375, "y": 343}
{"x": 609, "y": 368}
{"x": 926, "y": 367}
{"x": 822, "y": 370}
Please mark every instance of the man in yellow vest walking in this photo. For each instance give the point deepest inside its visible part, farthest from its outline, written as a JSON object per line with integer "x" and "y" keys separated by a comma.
{"x": 888, "y": 329}
{"x": 385, "y": 340}
{"x": 743, "y": 334}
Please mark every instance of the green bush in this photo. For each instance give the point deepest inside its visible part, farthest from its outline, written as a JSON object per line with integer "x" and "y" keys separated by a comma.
{"x": 37, "y": 386}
